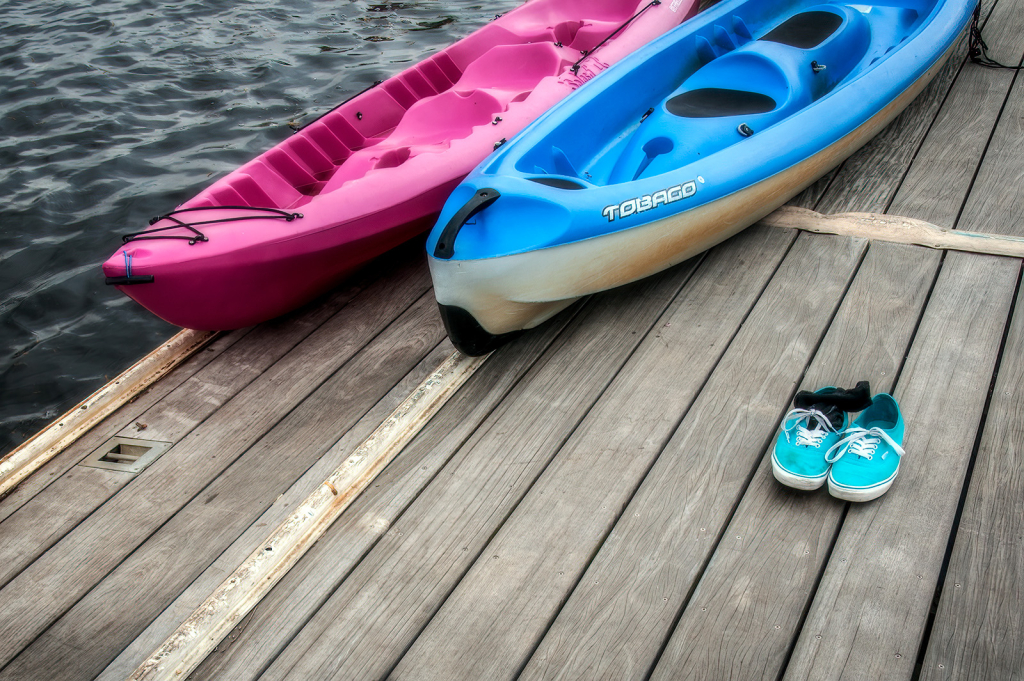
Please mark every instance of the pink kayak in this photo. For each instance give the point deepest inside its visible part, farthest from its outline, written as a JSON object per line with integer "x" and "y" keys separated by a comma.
{"x": 375, "y": 171}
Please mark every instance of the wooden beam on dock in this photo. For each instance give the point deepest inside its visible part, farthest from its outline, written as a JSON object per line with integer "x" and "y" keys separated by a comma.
{"x": 197, "y": 636}
{"x": 47, "y": 443}
{"x": 894, "y": 228}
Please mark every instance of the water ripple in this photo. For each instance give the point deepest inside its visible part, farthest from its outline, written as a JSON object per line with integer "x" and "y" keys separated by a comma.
{"x": 117, "y": 110}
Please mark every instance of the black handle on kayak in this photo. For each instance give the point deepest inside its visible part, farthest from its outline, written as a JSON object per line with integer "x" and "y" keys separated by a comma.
{"x": 445, "y": 247}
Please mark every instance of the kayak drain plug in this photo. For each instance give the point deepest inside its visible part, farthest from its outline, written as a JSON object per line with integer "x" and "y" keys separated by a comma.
{"x": 744, "y": 130}
{"x": 818, "y": 68}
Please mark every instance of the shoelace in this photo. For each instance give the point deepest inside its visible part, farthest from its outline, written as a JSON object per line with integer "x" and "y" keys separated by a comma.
{"x": 799, "y": 419}
{"x": 863, "y": 442}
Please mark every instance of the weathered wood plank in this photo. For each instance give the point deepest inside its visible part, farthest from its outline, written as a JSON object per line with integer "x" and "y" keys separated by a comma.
{"x": 1005, "y": 28}
{"x": 244, "y": 588}
{"x": 391, "y": 595}
{"x": 935, "y": 188}
{"x": 123, "y": 417}
{"x": 999, "y": 188}
{"x": 503, "y": 606}
{"x": 748, "y": 605}
{"x": 954, "y": 114}
{"x": 30, "y": 455}
{"x": 870, "y": 610}
{"x": 96, "y": 629}
{"x": 760, "y": 594}
{"x": 622, "y": 608}
{"x": 810, "y": 197}
{"x": 865, "y": 180}
{"x": 129, "y": 421}
{"x": 255, "y": 643}
{"x": 978, "y": 627}
{"x": 80, "y": 560}
{"x": 201, "y": 587}
{"x": 42, "y": 521}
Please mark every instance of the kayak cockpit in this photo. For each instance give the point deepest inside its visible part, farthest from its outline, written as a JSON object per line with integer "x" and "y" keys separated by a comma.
{"x": 425, "y": 108}
{"x": 734, "y": 82}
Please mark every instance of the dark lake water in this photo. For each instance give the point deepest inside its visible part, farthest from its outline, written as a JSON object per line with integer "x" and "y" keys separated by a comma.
{"x": 113, "y": 111}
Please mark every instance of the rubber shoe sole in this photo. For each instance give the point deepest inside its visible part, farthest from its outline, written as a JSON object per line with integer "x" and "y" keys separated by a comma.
{"x": 860, "y": 493}
{"x": 796, "y": 481}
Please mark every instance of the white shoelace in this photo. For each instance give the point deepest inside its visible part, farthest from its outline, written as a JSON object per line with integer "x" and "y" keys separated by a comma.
{"x": 863, "y": 442}
{"x": 798, "y": 420}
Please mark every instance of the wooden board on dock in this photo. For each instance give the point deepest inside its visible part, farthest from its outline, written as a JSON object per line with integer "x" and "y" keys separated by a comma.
{"x": 596, "y": 501}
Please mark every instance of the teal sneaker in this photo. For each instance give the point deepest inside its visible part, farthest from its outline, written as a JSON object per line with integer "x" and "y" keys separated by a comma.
{"x": 815, "y": 425}
{"x": 865, "y": 461}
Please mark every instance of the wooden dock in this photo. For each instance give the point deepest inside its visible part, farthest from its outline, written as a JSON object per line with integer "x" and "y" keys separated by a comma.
{"x": 596, "y": 501}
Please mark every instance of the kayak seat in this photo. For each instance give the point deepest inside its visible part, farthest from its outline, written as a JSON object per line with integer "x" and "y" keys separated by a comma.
{"x": 743, "y": 82}
{"x": 429, "y": 125}
{"x": 746, "y": 91}
{"x": 558, "y": 182}
{"x": 512, "y": 68}
{"x": 805, "y": 30}
{"x": 446, "y": 117}
{"x": 793, "y": 64}
{"x": 711, "y": 102}
{"x": 470, "y": 49}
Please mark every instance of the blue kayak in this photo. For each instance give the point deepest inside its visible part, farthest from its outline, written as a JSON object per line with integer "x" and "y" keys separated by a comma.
{"x": 683, "y": 144}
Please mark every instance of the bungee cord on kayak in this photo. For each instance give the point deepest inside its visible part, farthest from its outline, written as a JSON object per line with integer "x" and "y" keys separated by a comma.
{"x": 191, "y": 226}
{"x": 586, "y": 53}
{"x": 375, "y": 171}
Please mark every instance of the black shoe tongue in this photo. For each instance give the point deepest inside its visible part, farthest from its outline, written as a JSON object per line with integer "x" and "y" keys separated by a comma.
{"x": 834, "y": 402}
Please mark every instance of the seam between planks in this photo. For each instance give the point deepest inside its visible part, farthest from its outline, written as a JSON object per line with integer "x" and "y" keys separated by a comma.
{"x": 955, "y": 528}
{"x": 727, "y": 520}
{"x": 65, "y": 430}
{"x": 257, "y": 575}
{"x": 931, "y": 124}
{"x": 827, "y": 555}
{"x": 68, "y": 458}
{"x": 172, "y": 394}
{"x": 242, "y": 453}
{"x": 640, "y": 480}
{"x": 401, "y": 512}
{"x": 252, "y": 527}
{"x": 56, "y": 540}
{"x": 991, "y": 135}
{"x": 791, "y": 647}
{"x": 798, "y": 630}
{"x": 540, "y": 473}
{"x": 180, "y": 439}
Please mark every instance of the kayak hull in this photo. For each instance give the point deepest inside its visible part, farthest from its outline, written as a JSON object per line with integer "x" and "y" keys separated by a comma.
{"x": 243, "y": 287}
{"x": 373, "y": 172}
{"x": 508, "y": 292}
